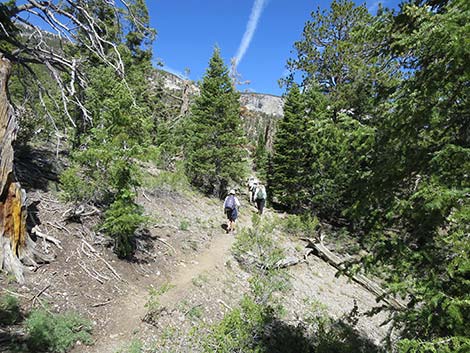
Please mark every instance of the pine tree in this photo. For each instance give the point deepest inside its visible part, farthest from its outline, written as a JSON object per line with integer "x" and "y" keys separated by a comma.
{"x": 289, "y": 162}
{"x": 214, "y": 151}
{"x": 261, "y": 157}
{"x": 335, "y": 51}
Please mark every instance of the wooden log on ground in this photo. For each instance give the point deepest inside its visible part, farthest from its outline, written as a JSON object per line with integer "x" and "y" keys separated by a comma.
{"x": 324, "y": 253}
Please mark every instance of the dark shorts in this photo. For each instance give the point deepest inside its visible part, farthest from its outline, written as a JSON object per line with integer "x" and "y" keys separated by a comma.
{"x": 260, "y": 203}
{"x": 232, "y": 214}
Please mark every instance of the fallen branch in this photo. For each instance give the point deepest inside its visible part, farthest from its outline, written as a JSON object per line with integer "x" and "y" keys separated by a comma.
{"x": 224, "y": 304}
{"x": 287, "y": 262}
{"x": 90, "y": 274}
{"x": 92, "y": 249}
{"x": 58, "y": 226}
{"x": 163, "y": 241}
{"x": 50, "y": 238}
{"x": 110, "y": 267}
{"x": 323, "y": 252}
{"x": 36, "y": 296}
{"x": 101, "y": 304}
{"x": 146, "y": 197}
{"x": 166, "y": 226}
{"x": 14, "y": 293}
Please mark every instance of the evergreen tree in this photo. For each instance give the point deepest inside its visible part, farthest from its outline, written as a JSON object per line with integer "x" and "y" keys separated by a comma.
{"x": 401, "y": 174}
{"x": 420, "y": 181}
{"x": 290, "y": 148}
{"x": 261, "y": 157}
{"x": 90, "y": 33}
{"x": 214, "y": 151}
{"x": 104, "y": 171}
{"x": 335, "y": 51}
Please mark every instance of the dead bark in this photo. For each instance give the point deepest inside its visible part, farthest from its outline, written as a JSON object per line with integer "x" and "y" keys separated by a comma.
{"x": 323, "y": 252}
{"x": 287, "y": 262}
{"x": 15, "y": 245}
{"x": 185, "y": 98}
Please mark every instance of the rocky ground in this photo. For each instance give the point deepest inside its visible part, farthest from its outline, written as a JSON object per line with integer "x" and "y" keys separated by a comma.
{"x": 183, "y": 276}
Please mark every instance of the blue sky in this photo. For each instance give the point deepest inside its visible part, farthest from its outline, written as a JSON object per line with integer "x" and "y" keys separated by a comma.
{"x": 187, "y": 31}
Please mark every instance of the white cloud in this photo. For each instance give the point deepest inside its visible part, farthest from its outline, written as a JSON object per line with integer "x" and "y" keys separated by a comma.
{"x": 256, "y": 11}
{"x": 176, "y": 72}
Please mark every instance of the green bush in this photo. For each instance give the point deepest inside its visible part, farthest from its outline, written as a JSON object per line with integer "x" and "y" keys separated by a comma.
{"x": 136, "y": 346}
{"x": 184, "y": 225}
{"x": 75, "y": 188}
{"x": 446, "y": 345}
{"x": 304, "y": 225}
{"x": 121, "y": 221}
{"x": 258, "y": 243}
{"x": 49, "y": 332}
{"x": 171, "y": 180}
{"x": 9, "y": 310}
{"x": 238, "y": 329}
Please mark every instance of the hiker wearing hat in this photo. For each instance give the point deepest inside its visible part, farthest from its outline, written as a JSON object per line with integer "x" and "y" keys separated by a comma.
{"x": 252, "y": 185}
{"x": 231, "y": 205}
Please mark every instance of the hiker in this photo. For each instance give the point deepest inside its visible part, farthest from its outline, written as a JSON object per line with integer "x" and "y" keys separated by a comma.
{"x": 252, "y": 185}
{"x": 260, "y": 198}
{"x": 231, "y": 205}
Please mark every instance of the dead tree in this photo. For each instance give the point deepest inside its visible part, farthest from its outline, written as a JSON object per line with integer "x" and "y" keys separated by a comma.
{"x": 25, "y": 43}
{"x": 235, "y": 76}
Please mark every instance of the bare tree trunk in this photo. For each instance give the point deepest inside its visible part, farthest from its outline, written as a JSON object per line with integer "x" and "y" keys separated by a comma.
{"x": 15, "y": 244}
{"x": 185, "y": 98}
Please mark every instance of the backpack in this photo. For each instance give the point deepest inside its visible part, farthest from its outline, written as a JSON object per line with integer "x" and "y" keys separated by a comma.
{"x": 261, "y": 193}
{"x": 230, "y": 202}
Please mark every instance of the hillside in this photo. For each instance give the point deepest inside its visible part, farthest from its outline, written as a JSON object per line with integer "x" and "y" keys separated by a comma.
{"x": 184, "y": 277}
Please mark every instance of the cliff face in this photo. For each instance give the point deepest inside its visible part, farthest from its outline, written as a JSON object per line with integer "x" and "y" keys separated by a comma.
{"x": 259, "y": 111}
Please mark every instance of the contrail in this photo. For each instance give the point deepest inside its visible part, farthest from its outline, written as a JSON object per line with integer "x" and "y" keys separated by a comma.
{"x": 258, "y": 7}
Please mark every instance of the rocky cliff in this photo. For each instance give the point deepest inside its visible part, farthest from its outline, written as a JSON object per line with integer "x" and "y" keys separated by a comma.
{"x": 258, "y": 111}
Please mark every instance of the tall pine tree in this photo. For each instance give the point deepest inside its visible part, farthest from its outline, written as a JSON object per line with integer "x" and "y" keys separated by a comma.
{"x": 290, "y": 158}
{"x": 215, "y": 154}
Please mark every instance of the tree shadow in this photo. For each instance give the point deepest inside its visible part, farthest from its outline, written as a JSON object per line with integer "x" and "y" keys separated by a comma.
{"x": 35, "y": 169}
{"x": 11, "y": 333}
{"x": 144, "y": 248}
{"x": 32, "y": 218}
{"x": 338, "y": 337}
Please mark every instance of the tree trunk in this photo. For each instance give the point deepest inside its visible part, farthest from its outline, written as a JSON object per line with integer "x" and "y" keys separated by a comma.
{"x": 15, "y": 244}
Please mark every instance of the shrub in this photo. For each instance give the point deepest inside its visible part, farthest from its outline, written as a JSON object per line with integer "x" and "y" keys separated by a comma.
{"x": 135, "y": 346}
{"x": 49, "y": 332}
{"x": 121, "y": 221}
{"x": 304, "y": 225}
{"x": 9, "y": 310}
{"x": 238, "y": 329}
{"x": 75, "y": 188}
{"x": 170, "y": 180}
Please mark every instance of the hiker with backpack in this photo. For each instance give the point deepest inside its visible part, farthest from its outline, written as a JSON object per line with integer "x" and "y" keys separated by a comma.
{"x": 260, "y": 196}
{"x": 231, "y": 205}
{"x": 252, "y": 185}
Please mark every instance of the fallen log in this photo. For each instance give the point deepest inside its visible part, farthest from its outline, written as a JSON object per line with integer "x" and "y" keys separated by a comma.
{"x": 287, "y": 262}
{"x": 45, "y": 236}
{"x": 324, "y": 253}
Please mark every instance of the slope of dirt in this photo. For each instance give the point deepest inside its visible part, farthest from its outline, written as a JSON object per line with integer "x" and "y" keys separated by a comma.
{"x": 183, "y": 275}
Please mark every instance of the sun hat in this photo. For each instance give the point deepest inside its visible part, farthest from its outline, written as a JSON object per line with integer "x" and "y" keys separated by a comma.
{"x": 232, "y": 192}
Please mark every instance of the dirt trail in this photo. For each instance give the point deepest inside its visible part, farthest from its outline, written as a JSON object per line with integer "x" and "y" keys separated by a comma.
{"x": 128, "y": 312}
{"x": 210, "y": 280}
